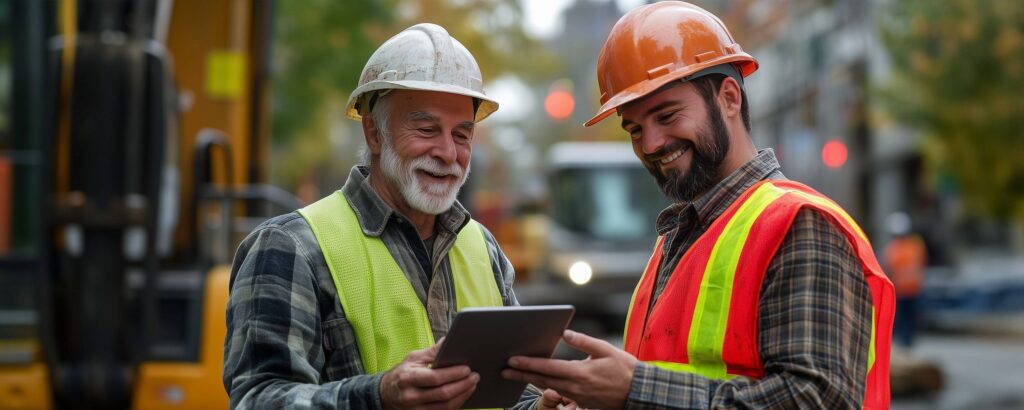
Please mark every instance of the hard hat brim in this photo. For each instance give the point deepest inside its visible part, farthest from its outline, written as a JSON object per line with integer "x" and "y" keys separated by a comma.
{"x": 487, "y": 105}
{"x": 747, "y": 65}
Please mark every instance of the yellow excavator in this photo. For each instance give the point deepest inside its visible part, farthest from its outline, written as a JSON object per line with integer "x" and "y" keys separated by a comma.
{"x": 133, "y": 145}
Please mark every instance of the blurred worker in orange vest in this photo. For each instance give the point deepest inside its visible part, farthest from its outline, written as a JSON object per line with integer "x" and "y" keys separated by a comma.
{"x": 905, "y": 258}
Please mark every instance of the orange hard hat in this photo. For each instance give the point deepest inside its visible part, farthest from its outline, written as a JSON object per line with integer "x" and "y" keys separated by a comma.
{"x": 658, "y": 43}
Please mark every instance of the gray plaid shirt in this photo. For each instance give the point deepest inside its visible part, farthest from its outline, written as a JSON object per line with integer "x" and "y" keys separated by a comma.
{"x": 814, "y": 316}
{"x": 288, "y": 343}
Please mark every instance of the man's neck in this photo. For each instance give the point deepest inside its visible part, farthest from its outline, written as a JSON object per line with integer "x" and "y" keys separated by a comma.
{"x": 424, "y": 224}
{"x": 740, "y": 153}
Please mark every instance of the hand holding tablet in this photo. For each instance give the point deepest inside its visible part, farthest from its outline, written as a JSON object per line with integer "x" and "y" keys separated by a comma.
{"x": 485, "y": 338}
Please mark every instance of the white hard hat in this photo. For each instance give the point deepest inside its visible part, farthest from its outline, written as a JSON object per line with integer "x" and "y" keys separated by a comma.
{"x": 421, "y": 57}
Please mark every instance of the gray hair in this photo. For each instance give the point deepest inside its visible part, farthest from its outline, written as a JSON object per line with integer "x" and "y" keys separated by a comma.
{"x": 380, "y": 112}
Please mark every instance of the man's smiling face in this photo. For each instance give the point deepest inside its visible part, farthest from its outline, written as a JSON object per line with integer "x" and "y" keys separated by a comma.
{"x": 680, "y": 141}
{"x": 426, "y": 149}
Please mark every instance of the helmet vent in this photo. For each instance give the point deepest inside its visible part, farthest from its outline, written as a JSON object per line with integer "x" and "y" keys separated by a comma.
{"x": 659, "y": 71}
{"x": 705, "y": 56}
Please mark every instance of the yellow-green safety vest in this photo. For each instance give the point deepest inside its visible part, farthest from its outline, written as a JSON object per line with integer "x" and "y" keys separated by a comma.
{"x": 388, "y": 318}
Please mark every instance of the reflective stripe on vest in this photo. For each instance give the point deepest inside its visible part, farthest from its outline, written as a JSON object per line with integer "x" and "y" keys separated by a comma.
{"x": 388, "y": 318}
{"x": 705, "y": 321}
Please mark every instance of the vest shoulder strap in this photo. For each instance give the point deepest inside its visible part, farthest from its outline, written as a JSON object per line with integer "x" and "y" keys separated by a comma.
{"x": 387, "y": 316}
{"x": 389, "y": 320}
{"x": 470, "y": 259}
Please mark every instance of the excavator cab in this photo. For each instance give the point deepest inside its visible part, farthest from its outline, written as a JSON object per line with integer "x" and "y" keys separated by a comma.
{"x": 132, "y": 161}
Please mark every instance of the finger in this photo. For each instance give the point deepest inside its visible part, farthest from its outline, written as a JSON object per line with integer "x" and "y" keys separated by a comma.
{"x": 447, "y": 393}
{"x": 457, "y": 402}
{"x": 425, "y": 377}
{"x": 589, "y": 345}
{"x": 554, "y": 367}
{"x": 437, "y": 346}
{"x": 539, "y": 380}
{"x": 427, "y": 354}
{"x": 422, "y": 356}
{"x": 550, "y": 399}
{"x": 453, "y": 404}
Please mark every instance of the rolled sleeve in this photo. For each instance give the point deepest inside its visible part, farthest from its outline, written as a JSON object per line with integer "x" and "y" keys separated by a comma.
{"x": 657, "y": 388}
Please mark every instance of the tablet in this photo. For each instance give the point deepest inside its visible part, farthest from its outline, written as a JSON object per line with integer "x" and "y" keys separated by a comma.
{"x": 485, "y": 338}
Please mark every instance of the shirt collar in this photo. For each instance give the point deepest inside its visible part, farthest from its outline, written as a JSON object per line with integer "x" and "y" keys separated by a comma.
{"x": 713, "y": 203}
{"x": 373, "y": 213}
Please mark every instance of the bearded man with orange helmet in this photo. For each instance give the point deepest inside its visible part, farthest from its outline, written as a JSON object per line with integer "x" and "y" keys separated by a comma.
{"x": 761, "y": 292}
{"x": 342, "y": 304}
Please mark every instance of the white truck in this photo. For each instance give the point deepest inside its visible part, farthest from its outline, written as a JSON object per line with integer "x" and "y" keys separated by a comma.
{"x": 602, "y": 208}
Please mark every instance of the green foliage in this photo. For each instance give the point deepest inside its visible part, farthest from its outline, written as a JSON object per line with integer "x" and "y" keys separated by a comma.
{"x": 958, "y": 72}
{"x": 320, "y": 49}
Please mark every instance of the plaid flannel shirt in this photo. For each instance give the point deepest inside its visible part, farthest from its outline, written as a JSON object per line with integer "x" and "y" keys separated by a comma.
{"x": 814, "y": 315}
{"x": 288, "y": 343}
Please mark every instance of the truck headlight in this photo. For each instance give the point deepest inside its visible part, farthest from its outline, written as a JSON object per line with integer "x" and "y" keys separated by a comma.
{"x": 580, "y": 273}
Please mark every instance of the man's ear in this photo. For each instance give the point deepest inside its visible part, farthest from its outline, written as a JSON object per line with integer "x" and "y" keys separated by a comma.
{"x": 372, "y": 134}
{"x": 730, "y": 98}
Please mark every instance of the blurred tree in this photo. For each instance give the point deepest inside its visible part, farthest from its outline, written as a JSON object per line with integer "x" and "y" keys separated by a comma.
{"x": 755, "y": 23}
{"x": 958, "y": 71}
{"x": 322, "y": 45}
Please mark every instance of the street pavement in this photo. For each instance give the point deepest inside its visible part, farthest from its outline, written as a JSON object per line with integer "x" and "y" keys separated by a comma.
{"x": 981, "y": 373}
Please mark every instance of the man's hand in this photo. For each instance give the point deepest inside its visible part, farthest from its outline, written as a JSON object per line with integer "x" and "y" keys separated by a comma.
{"x": 600, "y": 381}
{"x": 413, "y": 385}
{"x": 551, "y": 400}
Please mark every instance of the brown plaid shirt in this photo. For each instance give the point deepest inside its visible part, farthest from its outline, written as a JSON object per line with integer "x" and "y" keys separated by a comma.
{"x": 814, "y": 316}
{"x": 288, "y": 343}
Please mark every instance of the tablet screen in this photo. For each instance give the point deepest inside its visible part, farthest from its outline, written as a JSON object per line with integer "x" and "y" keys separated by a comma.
{"x": 485, "y": 338}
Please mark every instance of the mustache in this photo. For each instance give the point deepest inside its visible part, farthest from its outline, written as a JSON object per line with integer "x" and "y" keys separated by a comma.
{"x": 433, "y": 166}
{"x": 668, "y": 149}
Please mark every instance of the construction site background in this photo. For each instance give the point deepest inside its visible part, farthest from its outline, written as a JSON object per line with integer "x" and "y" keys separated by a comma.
{"x": 889, "y": 107}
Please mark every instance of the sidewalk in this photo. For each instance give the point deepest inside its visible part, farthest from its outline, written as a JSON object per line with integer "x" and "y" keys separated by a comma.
{"x": 984, "y": 295}
{"x": 993, "y": 324}
{"x": 980, "y": 373}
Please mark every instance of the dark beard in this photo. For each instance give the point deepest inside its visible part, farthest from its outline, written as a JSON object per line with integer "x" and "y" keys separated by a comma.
{"x": 708, "y": 154}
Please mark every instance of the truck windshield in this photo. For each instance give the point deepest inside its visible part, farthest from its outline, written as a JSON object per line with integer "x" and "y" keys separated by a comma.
{"x": 607, "y": 203}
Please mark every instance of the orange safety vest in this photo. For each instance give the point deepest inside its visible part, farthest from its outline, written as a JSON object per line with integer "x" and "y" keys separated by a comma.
{"x": 905, "y": 259}
{"x": 705, "y": 321}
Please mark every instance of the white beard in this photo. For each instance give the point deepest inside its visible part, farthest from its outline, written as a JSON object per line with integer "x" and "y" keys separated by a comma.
{"x": 429, "y": 198}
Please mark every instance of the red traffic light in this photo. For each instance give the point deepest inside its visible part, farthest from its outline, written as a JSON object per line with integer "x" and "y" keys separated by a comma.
{"x": 834, "y": 154}
{"x": 559, "y": 104}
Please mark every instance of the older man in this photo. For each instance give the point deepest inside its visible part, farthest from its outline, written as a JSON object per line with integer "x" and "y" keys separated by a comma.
{"x": 339, "y": 304}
